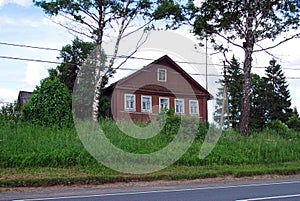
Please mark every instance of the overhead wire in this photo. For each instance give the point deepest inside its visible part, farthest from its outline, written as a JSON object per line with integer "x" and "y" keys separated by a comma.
{"x": 121, "y": 57}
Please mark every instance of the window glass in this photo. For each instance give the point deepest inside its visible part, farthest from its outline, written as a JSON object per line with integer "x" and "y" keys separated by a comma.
{"x": 163, "y": 103}
{"x": 162, "y": 75}
{"x": 129, "y": 102}
{"x": 194, "y": 107}
{"x": 179, "y": 106}
{"x": 146, "y": 103}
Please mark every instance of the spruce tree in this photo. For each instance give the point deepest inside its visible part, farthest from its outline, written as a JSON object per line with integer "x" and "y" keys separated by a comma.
{"x": 232, "y": 110}
{"x": 234, "y": 84}
{"x": 258, "y": 106}
{"x": 278, "y": 97}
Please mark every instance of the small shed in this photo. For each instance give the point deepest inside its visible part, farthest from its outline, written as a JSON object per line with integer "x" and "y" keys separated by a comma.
{"x": 23, "y": 98}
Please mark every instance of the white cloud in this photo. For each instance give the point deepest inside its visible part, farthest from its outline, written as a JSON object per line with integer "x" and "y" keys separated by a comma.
{"x": 7, "y": 95}
{"x": 24, "y": 3}
{"x": 5, "y": 20}
{"x": 34, "y": 73}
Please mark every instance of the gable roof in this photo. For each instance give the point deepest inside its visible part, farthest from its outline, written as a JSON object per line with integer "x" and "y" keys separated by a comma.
{"x": 23, "y": 98}
{"x": 162, "y": 59}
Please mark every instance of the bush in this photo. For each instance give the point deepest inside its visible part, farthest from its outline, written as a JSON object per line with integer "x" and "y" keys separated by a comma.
{"x": 9, "y": 113}
{"x": 49, "y": 105}
{"x": 294, "y": 123}
{"x": 278, "y": 127}
{"x": 172, "y": 123}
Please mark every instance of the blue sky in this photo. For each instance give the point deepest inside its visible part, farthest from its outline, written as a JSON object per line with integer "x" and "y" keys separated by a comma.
{"x": 23, "y": 23}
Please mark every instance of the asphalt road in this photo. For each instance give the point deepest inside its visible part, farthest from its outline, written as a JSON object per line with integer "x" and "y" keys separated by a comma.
{"x": 286, "y": 190}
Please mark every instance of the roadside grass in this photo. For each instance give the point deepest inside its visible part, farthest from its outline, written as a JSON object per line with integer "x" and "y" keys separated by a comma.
{"x": 38, "y": 156}
{"x": 36, "y": 177}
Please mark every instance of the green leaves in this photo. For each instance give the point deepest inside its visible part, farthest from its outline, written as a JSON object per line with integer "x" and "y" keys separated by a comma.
{"x": 49, "y": 105}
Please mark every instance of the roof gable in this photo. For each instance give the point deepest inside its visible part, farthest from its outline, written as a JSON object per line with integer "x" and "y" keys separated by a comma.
{"x": 164, "y": 61}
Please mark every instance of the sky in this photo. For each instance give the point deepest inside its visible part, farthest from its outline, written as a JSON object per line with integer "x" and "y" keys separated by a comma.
{"x": 22, "y": 23}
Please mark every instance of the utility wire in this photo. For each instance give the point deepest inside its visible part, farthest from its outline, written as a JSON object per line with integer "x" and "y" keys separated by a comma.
{"x": 24, "y": 59}
{"x": 29, "y": 46}
{"x": 129, "y": 57}
{"x": 122, "y": 56}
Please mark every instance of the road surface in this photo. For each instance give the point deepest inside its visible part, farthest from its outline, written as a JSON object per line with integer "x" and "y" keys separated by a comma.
{"x": 242, "y": 190}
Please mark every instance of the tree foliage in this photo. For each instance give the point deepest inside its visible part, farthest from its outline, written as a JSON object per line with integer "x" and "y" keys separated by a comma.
{"x": 233, "y": 80}
{"x": 73, "y": 55}
{"x": 97, "y": 19}
{"x": 270, "y": 97}
{"x": 258, "y": 107}
{"x": 245, "y": 24}
{"x": 294, "y": 121}
{"x": 49, "y": 105}
{"x": 9, "y": 113}
{"x": 234, "y": 85}
{"x": 278, "y": 97}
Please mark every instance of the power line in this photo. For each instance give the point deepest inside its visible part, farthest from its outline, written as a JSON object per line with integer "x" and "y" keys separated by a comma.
{"x": 29, "y": 46}
{"x": 24, "y": 59}
{"x": 128, "y": 57}
{"x": 122, "y": 56}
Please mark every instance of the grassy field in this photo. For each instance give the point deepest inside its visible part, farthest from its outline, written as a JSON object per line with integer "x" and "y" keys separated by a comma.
{"x": 32, "y": 155}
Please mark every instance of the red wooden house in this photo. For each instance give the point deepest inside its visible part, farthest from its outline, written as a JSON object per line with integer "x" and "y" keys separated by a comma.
{"x": 161, "y": 84}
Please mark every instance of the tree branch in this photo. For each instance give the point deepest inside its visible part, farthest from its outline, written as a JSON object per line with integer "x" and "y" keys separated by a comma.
{"x": 269, "y": 53}
{"x": 276, "y": 45}
{"x": 70, "y": 30}
{"x": 229, "y": 41}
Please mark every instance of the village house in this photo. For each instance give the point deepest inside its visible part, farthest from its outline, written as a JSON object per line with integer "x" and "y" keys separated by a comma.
{"x": 161, "y": 84}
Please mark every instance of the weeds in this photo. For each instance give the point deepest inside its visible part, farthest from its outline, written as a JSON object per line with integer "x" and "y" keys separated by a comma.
{"x": 33, "y": 146}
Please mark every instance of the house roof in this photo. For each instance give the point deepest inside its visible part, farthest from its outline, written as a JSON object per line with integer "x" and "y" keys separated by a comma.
{"x": 161, "y": 59}
{"x": 23, "y": 97}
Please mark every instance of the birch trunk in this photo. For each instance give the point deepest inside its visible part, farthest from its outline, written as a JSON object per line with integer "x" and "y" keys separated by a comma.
{"x": 246, "y": 93}
{"x": 104, "y": 70}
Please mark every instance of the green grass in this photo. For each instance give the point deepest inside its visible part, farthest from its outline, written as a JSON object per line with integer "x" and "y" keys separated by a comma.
{"x": 29, "y": 150}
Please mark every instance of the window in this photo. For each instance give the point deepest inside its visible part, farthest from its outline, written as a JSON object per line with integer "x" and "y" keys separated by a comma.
{"x": 130, "y": 102}
{"x": 161, "y": 75}
{"x": 179, "y": 106}
{"x": 163, "y": 103}
{"x": 194, "y": 107}
{"x": 146, "y": 104}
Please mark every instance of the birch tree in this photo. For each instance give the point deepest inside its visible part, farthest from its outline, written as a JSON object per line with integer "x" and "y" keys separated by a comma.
{"x": 246, "y": 24}
{"x": 98, "y": 19}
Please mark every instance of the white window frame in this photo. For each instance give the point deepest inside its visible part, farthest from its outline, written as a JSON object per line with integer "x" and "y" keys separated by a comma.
{"x": 134, "y": 103}
{"x": 190, "y": 108}
{"x": 158, "y": 77}
{"x": 182, "y": 100}
{"x": 168, "y": 106}
{"x": 150, "y": 100}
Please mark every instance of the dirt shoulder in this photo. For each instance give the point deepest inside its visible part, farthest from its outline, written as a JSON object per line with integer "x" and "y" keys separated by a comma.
{"x": 107, "y": 187}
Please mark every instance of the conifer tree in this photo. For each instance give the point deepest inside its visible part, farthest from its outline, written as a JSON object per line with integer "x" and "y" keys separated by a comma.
{"x": 258, "y": 106}
{"x": 278, "y": 97}
{"x": 234, "y": 83}
{"x": 233, "y": 80}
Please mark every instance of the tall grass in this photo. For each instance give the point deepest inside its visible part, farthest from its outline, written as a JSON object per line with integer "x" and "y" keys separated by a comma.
{"x": 23, "y": 145}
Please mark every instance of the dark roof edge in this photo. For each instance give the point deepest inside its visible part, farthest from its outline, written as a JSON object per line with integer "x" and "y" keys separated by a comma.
{"x": 157, "y": 61}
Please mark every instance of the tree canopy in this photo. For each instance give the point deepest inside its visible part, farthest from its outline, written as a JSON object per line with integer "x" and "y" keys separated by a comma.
{"x": 99, "y": 19}
{"x": 49, "y": 105}
{"x": 73, "y": 55}
{"x": 245, "y": 24}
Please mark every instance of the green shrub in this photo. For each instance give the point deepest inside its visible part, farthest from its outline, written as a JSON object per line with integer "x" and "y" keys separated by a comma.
{"x": 50, "y": 105}
{"x": 294, "y": 123}
{"x": 279, "y": 127}
{"x": 9, "y": 113}
{"x": 172, "y": 122}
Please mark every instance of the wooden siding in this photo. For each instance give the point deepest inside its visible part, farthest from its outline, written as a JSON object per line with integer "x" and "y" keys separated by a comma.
{"x": 145, "y": 83}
